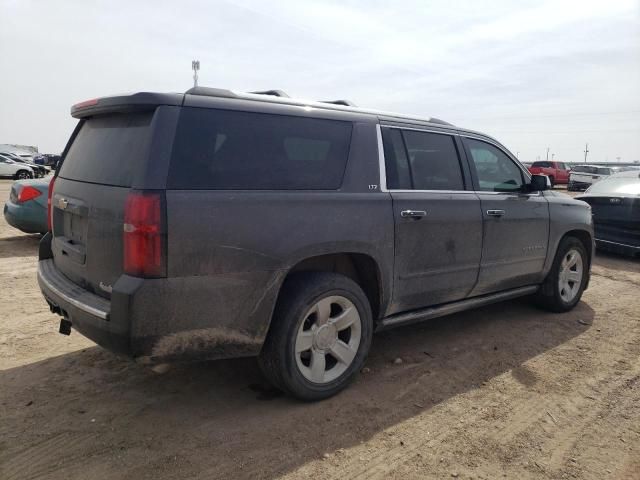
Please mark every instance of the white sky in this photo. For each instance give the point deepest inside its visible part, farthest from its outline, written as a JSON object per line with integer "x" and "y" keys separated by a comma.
{"x": 540, "y": 74}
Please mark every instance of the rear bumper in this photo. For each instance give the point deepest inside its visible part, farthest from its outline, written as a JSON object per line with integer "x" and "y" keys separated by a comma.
{"x": 151, "y": 318}
{"x": 89, "y": 314}
{"x": 29, "y": 217}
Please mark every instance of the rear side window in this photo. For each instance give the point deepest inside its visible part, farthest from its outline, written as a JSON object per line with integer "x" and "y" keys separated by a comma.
{"x": 227, "y": 150}
{"x": 108, "y": 149}
{"x": 421, "y": 160}
{"x": 434, "y": 161}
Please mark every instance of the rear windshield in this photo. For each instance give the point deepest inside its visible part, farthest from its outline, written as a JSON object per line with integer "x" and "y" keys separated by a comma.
{"x": 541, "y": 164}
{"x": 108, "y": 148}
{"x": 584, "y": 169}
{"x": 225, "y": 150}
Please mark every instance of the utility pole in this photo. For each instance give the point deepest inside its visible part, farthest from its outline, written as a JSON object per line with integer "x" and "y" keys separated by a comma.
{"x": 547, "y": 153}
{"x": 552, "y": 155}
{"x": 586, "y": 151}
{"x": 195, "y": 66}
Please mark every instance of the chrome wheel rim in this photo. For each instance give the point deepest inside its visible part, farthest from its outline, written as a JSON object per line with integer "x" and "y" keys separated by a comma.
{"x": 570, "y": 277}
{"x": 328, "y": 339}
{"x": 23, "y": 175}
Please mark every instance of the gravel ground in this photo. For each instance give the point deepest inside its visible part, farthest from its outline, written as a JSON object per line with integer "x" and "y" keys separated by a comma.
{"x": 506, "y": 391}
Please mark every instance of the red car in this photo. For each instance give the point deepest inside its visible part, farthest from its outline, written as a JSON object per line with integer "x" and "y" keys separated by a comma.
{"x": 558, "y": 172}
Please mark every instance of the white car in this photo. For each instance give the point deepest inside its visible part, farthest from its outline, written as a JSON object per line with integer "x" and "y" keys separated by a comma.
{"x": 11, "y": 169}
{"x": 583, "y": 176}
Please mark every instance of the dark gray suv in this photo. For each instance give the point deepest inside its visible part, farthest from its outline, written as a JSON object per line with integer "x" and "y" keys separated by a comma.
{"x": 216, "y": 224}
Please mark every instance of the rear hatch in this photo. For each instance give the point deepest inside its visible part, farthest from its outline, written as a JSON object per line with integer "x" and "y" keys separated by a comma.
{"x": 101, "y": 165}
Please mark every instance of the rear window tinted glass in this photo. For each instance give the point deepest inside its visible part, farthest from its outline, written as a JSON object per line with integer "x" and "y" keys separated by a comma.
{"x": 541, "y": 164}
{"x": 226, "y": 150}
{"x": 108, "y": 148}
{"x": 434, "y": 161}
{"x": 585, "y": 169}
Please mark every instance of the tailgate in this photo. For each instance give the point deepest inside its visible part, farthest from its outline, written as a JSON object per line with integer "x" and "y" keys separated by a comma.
{"x": 89, "y": 197}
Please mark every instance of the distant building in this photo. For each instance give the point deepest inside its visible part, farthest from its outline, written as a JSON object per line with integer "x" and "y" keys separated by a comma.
{"x": 10, "y": 147}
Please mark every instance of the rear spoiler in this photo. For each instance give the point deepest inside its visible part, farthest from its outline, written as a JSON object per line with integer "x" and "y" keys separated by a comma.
{"x": 125, "y": 103}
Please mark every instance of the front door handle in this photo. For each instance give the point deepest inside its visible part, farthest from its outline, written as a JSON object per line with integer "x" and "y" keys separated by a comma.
{"x": 413, "y": 213}
{"x": 495, "y": 213}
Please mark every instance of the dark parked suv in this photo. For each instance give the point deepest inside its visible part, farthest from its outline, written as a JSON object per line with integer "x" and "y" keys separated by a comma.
{"x": 216, "y": 224}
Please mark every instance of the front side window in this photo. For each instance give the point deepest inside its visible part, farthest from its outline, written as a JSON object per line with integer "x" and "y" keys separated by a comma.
{"x": 228, "y": 150}
{"x": 421, "y": 160}
{"x": 496, "y": 172}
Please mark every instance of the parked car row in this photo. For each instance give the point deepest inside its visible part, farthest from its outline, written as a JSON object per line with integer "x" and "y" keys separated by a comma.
{"x": 34, "y": 170}
{"x": 48, "y": 159}
{"x": 9, "y": 168}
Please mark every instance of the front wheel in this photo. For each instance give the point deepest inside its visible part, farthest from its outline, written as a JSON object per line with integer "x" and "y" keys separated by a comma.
{"x": 319, "y": 337}
{"x": 563, "y": 287}
{"x": 22, "y": 175}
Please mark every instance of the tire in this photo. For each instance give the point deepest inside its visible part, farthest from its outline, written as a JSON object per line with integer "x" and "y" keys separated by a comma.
{"x": 22, "y": 175}
{"x": 558, "y": 293}
{"x": 552, "y": 181}
{"x": 310, "y": 311}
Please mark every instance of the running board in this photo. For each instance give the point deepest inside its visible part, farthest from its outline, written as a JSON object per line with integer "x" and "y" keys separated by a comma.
{"x": 454, "y": 307}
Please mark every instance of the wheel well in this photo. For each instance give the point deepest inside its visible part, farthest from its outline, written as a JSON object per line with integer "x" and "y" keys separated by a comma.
{"x": 359, "y": 267}
{"x": 584, "y": 238}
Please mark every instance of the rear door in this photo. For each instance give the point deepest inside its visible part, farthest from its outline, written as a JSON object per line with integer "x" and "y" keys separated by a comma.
{"x": 516, "y": 224}
{"x": 438, "y": 222}
{"x": 105, "y": 160}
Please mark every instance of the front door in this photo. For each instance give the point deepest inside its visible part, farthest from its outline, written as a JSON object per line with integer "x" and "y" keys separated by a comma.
{"x": 516, "y": 224}
{"x": 438, "y": 223}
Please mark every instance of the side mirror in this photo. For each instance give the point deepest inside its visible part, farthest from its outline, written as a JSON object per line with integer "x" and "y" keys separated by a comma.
{"x": 539, "y": 183}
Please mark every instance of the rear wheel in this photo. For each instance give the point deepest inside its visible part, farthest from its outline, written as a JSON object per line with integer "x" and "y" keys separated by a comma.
{"x": 319, "y": 337}
{"x": 563, "y": 287}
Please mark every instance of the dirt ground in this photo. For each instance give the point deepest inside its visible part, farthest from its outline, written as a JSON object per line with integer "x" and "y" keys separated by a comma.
{"x": 506, "y": 391}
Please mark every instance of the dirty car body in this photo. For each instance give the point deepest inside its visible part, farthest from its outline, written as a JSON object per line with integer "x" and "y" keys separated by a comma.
{"x": 331, "y": 194}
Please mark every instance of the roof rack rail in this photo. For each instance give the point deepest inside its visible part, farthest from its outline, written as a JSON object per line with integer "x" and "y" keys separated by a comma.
{"x": 441, "y": 122}
{"x": 275, "y": 93}
{"x": 346, "y": 103}
{"x": 211, "y": 92}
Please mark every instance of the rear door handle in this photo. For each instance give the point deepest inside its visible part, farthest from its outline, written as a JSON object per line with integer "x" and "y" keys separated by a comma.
{"x": 495, "y": 213}
{"x": 413, "y": 213}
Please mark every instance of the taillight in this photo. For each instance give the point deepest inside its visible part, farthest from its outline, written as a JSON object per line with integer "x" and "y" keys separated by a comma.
{"x": 49, "y": 209}
{"x": 144, "y": 236}
{"x": 28, "y": 193}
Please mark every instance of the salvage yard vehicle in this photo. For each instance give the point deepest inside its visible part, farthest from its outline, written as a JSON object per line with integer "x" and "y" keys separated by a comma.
{"x": 12, "y": 169}
{"x": 558, "y": 172}
{"x": 615, "y": 203}
{"x": 583, "y": 176}
{"x": 39, "y": 171}
{"x": 216, "y": 224}
{"x": 26, "y": 208}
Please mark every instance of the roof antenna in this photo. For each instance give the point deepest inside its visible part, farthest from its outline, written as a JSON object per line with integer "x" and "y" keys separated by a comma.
{"x": 195, "y": 66}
